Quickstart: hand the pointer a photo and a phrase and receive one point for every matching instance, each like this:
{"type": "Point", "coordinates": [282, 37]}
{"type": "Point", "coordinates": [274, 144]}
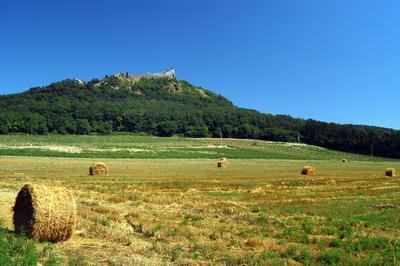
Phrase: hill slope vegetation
{"type": "Point", "coordinates": [166, 107]}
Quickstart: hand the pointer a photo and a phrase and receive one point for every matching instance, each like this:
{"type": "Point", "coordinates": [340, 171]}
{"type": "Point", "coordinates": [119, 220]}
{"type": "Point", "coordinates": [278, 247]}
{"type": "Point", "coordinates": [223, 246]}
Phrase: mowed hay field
{"type": "Point", "coordinates": [189, 212]}
{"type": "Point", "coordinates": [150, 147]}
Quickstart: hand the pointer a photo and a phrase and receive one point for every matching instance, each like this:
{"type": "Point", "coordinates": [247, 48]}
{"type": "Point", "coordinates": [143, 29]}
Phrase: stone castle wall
{"type": "Point", "coordinates": [169, 73]}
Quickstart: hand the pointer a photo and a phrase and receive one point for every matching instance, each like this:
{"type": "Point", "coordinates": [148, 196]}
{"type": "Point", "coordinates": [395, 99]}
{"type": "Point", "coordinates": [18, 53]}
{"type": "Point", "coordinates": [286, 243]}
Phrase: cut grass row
{"type": "Point", "coordinates": [149, 147]}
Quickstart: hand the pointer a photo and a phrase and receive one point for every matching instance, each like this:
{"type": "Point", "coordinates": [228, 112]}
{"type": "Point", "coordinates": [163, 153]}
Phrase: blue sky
{"type": "Point", "coordinates": [336, 61]}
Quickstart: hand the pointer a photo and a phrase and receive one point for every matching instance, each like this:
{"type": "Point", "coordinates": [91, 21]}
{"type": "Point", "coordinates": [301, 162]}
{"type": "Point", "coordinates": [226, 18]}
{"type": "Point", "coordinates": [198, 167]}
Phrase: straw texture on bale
{"type": "Point", "coordinates": [390, 172]}
{"type": "Point", "coordinates": [308, 170]}
{"type": "Point", "coordinates": [45, 213]}
{"type": "Point", "coordinates": [223, 162]}
{"type": "Point", "coordinates": [98, 169]}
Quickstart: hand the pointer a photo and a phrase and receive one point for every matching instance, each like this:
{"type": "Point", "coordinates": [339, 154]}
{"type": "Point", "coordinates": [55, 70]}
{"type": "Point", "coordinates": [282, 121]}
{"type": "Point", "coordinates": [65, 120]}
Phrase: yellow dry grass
{"type": "Point", "coordinates": [152, 212]}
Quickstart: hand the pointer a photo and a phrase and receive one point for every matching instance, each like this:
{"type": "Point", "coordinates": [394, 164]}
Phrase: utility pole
{"type": "Point", "coordinates": [31, 134]}
{"type": "Point", "coordinates": [372, 149]}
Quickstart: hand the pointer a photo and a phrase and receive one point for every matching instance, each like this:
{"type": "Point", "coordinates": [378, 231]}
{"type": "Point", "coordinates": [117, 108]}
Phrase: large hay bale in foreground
{"type": "Point", "coordinates": [390, 172]}
{"type": "Point", "coordinates": [45, 213]}
{"type": "Point", "coordinates": [308, 170]}
{"type": "Point", "coordinates": [223, 162]}
{"type": "Point", "coordinates": [98, 169]}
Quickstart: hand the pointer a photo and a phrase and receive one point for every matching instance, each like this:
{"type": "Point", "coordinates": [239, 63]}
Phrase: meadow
{"type": "Point", "coordinates": [186, 211]}
{"type": "Point", "coordinates": [150, 147]}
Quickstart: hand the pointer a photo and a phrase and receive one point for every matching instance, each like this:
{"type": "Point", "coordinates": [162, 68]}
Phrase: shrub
{"type": "Point", "coordinates": [307, 227]}
{"type": "Point", "coordinates": [332, 257]}
{"type": "Point", "coordinates": [335, 243]}
{"type": "Point", "coordinates": [167, 128]}
{"type": "Point", "coordinates": [260, 220]}
{"type": "Point", "coordinates": [344, 229]}
{"type": "Point", "coordinates": [176, 252]}
{"type": "Point", "coordinates": [299, 255]}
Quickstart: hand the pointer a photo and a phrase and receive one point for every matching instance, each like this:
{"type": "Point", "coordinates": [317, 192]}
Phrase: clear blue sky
{"type": "Point", "coordinates": [334, 61]}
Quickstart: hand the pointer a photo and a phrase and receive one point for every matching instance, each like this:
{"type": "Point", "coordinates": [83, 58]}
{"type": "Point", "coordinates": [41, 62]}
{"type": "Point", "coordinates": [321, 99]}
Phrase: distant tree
{"type": "Point", "coordinates": [200, 131]}
{"type": "Point", "coordinates": [70, 125]}
{"type": "Point", "coordinates": [62, 130]}
{"type": "Point", "coordinates": [3, 129]}
{"type": "Point", "coordinates": [42, 129]}
{"type": "Point", "coordinates": [106, 128]}
{"type": "Point", "coordinates": [82, 126]}
{"type": "Point", "coordinates": [217, 133]}
{"type": "Point", "coordinates": [167, 128]}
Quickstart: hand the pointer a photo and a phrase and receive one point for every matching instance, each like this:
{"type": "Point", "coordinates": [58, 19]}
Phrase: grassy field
{"type": "Point", "coordinates": [189, 212]}
{"type": "Point", "coordinates": [147, 147]}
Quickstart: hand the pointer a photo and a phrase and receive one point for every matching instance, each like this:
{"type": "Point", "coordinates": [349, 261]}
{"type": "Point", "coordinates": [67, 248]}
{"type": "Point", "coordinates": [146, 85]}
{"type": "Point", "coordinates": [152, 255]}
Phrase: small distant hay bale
{"type": "Point", "coordinates": [98, 169]}
{"type": "Point", "coordinates": [223, 162]}
{"type": "Point", "coordinates": [344, 160]}
{"type": "Point", "coordinates": [45, 213]}
{"type": "Point", "coordinates": [308, 170]}
{"type": "Point", "coordinates": [390, 172]}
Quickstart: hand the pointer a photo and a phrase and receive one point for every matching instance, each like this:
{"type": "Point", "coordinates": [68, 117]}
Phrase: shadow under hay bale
{"type": "Point", "coordinates": [308, 170]}
{"type": "Point", "coordinates": [98, 169]}
{"type": "Point", "coordinates": [45, 213]}
{"type": "Point", "coordinates": [223, 163]}
{"type": "Point", "coordinates": [391, 172]}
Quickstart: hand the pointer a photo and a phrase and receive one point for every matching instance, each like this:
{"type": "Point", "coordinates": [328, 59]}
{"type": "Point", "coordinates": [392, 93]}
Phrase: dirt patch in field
{"type": "Point", "coordinates": [74, 149]}
{"type": "Point", "coordinates": [68, 149]}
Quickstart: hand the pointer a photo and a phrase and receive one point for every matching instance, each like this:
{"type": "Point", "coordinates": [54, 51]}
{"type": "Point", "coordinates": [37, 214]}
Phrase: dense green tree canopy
{"type": "Point", "coordinates": [166, 107]}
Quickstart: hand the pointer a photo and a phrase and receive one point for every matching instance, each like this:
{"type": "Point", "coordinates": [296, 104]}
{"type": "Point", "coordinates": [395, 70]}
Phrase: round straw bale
{"type": "Point", "coordinates": [223, 162]}
{"type": "Point", "coordinates": [390, 172]}
{"type": "Point", "coordinates": [45, 213]}
{"type": "Point", "coordinates": [344, 160]}
{"type": "Point", "coordinates": [98, 169]}
{"type": "Point", "coordinates": [308, 170]}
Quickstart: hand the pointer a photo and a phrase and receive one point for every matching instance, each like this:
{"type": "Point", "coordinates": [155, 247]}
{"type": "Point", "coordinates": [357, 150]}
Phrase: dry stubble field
{"type": "Point", "coordinates": [189, 212]}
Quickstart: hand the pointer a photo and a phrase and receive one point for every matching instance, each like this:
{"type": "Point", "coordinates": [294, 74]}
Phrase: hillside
{"type": "Point", "coordinates": [165, 106]}
{"type": "Point", "coordinates": [151, 147]}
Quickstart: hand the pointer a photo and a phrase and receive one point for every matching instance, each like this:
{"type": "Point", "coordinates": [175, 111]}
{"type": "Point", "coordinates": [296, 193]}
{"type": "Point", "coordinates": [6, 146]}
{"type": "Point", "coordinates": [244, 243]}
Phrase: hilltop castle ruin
{"type": "Point", "coordinates": [169, 73]}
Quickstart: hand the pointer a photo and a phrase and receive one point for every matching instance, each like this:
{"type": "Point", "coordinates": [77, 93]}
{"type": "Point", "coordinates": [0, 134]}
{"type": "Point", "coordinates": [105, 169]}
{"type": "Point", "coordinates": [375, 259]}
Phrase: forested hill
{"type": "Point", "coordinates": [166, 107]}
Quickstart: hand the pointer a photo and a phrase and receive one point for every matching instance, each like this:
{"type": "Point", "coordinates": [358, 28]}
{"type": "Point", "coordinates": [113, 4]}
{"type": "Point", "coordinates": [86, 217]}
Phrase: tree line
{"type": "Point", "coordinates": [166, 107]}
